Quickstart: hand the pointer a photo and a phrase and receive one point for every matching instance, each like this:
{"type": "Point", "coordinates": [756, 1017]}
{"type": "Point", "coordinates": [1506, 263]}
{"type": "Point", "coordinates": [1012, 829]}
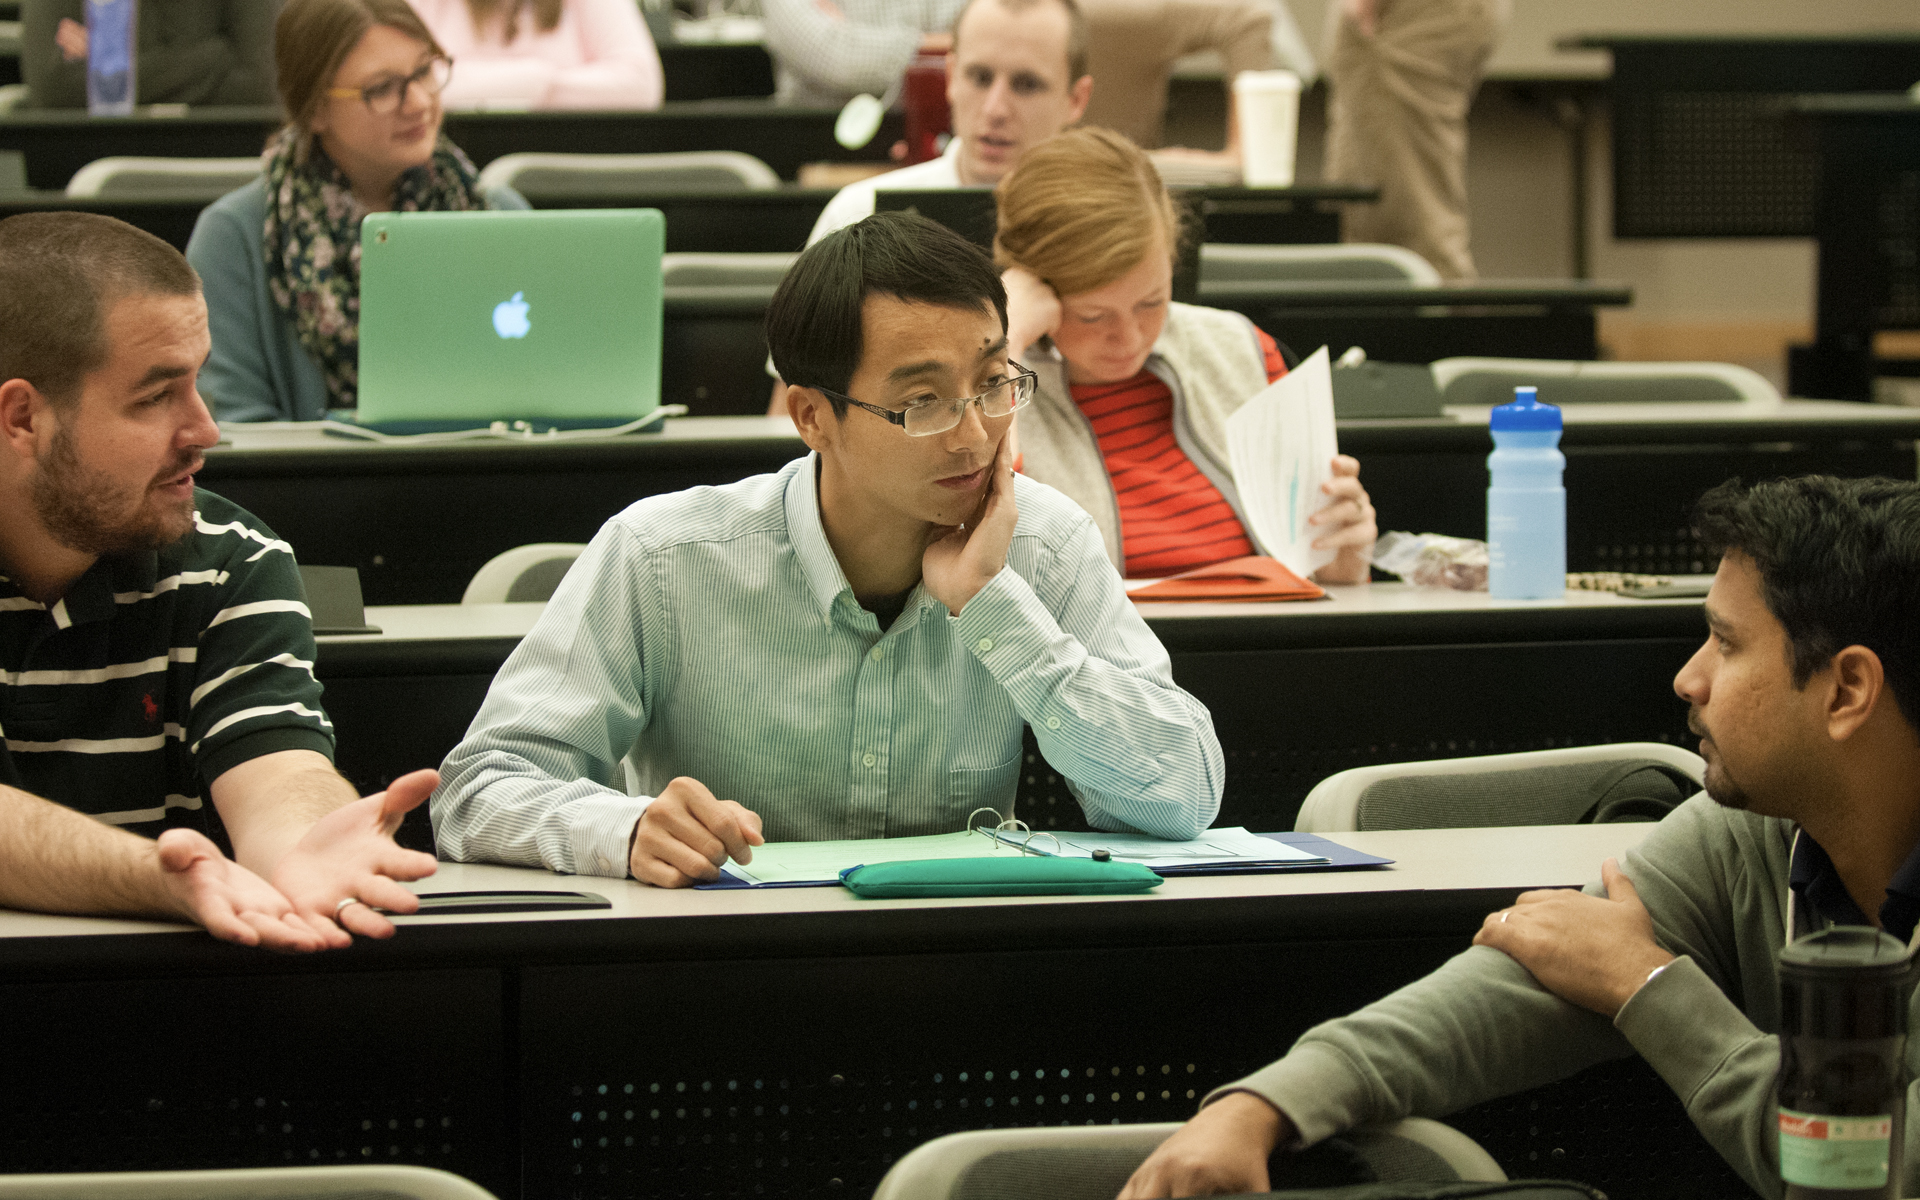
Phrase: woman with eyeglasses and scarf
{"type": "Point", "coordinates": [279, 259]}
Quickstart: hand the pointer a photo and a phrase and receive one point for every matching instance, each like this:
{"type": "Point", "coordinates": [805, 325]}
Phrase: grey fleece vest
{"type": "Point", "coordinates": [1212, 363]}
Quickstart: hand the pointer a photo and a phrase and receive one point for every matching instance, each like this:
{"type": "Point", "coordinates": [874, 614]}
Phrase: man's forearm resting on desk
{"type": "Point", "coordinates": [53, 859]}
{"type": "Point", "coordinates": [1593, 951]}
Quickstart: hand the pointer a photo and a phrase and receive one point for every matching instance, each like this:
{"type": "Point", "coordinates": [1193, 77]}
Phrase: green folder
{"type": "Point", "coordinates": [1024, 876]}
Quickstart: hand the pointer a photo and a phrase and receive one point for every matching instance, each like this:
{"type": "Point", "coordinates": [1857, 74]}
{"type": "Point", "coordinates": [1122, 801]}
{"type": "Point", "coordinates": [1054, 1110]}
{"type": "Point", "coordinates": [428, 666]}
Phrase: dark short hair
{"type": "Point", "coordinates": [58, 273]}
{"type": "Point", "coordinates": [814, 323]}
{"type": "Point", "coordinates": [1077, 35]}
{"type": "Point", "coordinates": [1839, 563]}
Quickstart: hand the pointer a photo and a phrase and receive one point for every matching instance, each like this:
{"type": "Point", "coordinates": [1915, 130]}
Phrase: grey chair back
{"type": "Point", "coordinates": [1222, 262]}
{"type": "Point", "coordinates": [525, 573]}
{"type": "Point", "coordinates": [135, 178]}
{"type": "Point", "coordinates": [614, 176]}
{"type": "Point", "coordinates": [1564, 794]}
{"type": "Point", "coordinates": [1474, 382]}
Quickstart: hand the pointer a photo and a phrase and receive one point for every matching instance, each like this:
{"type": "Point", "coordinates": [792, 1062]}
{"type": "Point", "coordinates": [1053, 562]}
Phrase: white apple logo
{"type": "Point", "coordinates": [510, 317]}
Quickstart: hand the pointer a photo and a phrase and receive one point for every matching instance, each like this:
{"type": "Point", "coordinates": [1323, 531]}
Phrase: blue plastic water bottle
{"type": "Point", "coordinates": [111, 41]}
{"type": "Point", "coordinates": [1526, 501]}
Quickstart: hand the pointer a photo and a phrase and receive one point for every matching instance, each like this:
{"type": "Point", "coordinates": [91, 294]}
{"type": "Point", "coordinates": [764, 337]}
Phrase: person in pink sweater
{"type": "Point", "coordinates": [546, 53]}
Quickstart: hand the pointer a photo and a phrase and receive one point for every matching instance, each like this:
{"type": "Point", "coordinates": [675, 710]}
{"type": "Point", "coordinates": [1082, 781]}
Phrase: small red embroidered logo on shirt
{"type": "Point", "coordinates": [153, 710]}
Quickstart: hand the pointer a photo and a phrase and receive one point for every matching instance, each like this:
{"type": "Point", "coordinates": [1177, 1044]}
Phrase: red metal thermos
{"type": "Point", "coordinates": [928, 118]}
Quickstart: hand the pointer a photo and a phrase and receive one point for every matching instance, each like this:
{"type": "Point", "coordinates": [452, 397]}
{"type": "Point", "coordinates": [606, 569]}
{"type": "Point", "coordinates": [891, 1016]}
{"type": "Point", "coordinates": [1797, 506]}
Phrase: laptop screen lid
{"type": "Point", "coordinates": [551, 317]}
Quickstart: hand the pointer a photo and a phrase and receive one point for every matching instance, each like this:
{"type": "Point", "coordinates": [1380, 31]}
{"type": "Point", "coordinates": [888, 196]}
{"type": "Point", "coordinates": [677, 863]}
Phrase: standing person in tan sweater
{"type": "Point", "coordinates": [1133, 44]}
{"type": "Point", "coordinates": [1401, 75]}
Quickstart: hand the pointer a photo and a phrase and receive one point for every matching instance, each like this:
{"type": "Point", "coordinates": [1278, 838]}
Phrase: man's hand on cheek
{"type": "Point", "coordinates": [686, 834]}
{"type": "Point", "coordinates": [964, 559]}
{"type": "Point", "coordinates": [1592, 951]}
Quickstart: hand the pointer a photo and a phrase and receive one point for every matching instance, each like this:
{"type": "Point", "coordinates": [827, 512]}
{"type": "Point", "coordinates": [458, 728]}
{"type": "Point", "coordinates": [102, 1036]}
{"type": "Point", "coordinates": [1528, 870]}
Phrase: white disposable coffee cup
{"type": "Point", "coordinates": [1269, 104]}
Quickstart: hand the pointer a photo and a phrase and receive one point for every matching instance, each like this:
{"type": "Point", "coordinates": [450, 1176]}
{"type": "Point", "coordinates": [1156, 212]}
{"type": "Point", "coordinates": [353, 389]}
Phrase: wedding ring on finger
{"type": "Point", "coordinates": [342, 906]}
{"type": "Point", "coordinates": [1504, 914]}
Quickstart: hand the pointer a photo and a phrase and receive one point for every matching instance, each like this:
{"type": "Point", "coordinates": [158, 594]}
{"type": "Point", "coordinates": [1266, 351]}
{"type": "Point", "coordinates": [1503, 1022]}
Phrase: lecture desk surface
{"type": "Point", "coordinates": [480, 636]}
{"type": "Point", "coordinates": [1480, 868]}
{"type": "Point", "coordinates": [285, 446]}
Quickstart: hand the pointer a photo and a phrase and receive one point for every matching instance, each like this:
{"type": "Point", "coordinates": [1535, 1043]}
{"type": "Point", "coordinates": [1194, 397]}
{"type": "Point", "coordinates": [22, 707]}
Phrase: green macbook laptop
{"type": "Point", "coordinates": [550, 318]}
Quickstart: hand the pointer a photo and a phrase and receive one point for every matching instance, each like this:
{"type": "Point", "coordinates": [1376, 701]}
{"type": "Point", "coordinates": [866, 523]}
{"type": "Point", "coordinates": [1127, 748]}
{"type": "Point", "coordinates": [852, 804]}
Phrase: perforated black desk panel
{"type": "Point", "coordinates": [770, 221]}
{"type": "Point", "coordinates": [58, 142]}
{"type": "Point", "coordinates": [719, 1046]}
{"type": "Point", "coordinates": [1297, 692]}
{"type": "Point", "coordinates": [405, 516]}
{"type": "Point", "coordinates": [1703, 141]}
{"type": "Point", "coordinates": [1869, 230]}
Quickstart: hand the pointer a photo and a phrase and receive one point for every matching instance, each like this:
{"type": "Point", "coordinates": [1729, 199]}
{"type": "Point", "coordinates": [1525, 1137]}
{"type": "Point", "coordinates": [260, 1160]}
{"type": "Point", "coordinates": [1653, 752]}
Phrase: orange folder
{"type": "Point", "coordinates": [1252, 578]}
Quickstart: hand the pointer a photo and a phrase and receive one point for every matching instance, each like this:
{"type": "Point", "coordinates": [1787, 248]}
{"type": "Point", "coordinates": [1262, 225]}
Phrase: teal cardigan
{"type": "Point", "coordinates": [258, 371]}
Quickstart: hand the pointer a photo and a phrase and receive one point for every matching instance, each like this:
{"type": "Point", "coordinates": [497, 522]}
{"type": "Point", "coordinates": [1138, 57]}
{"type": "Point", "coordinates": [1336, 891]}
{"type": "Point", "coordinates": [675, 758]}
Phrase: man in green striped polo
{"type": "Point", "coordinates": [155, 646]}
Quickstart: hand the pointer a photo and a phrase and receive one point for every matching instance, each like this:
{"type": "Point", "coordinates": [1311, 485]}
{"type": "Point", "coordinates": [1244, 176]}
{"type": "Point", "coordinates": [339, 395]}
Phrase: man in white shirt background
{"type": "Point", "coordinates": [1018, 76]}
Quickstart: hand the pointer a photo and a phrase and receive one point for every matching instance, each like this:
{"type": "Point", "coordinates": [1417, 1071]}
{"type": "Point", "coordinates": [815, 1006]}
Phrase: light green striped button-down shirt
{"type": "Point", "coordinates": [711, 633]}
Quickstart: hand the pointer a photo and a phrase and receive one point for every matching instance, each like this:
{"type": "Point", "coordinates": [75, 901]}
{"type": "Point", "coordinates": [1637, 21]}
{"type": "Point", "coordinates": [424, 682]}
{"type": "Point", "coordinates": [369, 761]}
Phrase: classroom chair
{"type": "Point", "coordinates": [1222, 262]}
{"type": "Point", "coordinates": [1093, 1162]}
{"type": "Point", "coordinates": [1625, 781]}
{"type": "Point", "coordinates": [757, 273]}
{"type": "Point", "coordinates": [1489, 381]}
{"type": "Point", "coordinates": [129, 177]}
{"type": "Point", "coordinates": [536, 176]}
{"type": "Point", "coordinates": [524, 573]}
{"type": "Point", "coordinates": [13, 170]}
{"type": "Point", "coordinates": [355, 1182]}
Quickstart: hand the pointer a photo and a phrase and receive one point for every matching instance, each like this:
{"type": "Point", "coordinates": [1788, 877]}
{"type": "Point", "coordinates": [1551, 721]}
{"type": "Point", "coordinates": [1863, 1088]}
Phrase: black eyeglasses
{"type": "Point", "coordinates": [384, 97]}
{"type": "Point", "coordinates": [929, 417]}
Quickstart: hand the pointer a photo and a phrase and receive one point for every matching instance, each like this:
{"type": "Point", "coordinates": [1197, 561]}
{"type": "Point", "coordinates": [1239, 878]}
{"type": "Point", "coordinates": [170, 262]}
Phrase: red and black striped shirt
{"type": "Point", "coordinates": [1172, 518]}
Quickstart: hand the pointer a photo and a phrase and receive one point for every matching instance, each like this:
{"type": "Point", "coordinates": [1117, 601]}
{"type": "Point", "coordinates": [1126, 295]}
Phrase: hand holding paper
{"type": "Point", "coordinates": [1345, 525]}
{"type": "Point", "coordinates": [1281, 445]}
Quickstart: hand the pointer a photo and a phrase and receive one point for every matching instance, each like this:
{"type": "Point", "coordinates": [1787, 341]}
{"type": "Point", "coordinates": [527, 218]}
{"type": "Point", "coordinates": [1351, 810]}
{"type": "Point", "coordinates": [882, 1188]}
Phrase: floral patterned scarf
{"type": "Point", "coordinates": [313, 245]}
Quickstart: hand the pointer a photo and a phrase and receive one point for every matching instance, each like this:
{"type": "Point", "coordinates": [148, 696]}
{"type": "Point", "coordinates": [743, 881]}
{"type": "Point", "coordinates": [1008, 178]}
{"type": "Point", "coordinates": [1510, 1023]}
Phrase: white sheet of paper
{"type": "Point", "coordinates": [1232, 844]}
{"type": "Point", "coordinates": [1281, 445]}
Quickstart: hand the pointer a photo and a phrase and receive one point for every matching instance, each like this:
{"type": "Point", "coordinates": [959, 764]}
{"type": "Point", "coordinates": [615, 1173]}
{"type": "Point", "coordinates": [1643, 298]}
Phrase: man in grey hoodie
{"type": "Point", "coordinates": [1806, 697]}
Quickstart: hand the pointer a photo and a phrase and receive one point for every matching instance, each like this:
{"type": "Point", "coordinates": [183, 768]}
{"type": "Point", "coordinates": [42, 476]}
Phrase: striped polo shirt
{"type": "Point", "coordinates": [157, 672]}
{"type": "Point", "coordinates": [1172, 518]}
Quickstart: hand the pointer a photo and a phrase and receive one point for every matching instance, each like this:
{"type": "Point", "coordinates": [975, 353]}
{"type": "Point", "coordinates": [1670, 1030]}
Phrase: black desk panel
{"type": "Point", "coordinates": [714, 354]}
{"type": "Point", "coordinates": [404, 516]}
{"type": "Point", "coordinates": [701, 71]}
{"type": "Point", "coordinates": [1408, 324]}
{"type": "Point", "coordinates": [782, 137]}
{"type": "Point", "coordinates": [1703, 139]}
{"type": "Point", "coordinates": [1294, 698]}
{"type": "Point", "coordinates": [260, 1061]}
{"type": "Point", "coordinates": [59, 142]}
{"type": "Point", "coordinates": [1628, 505]}
{"type": "Point", "coordinates": [390, 511]}
{"type": "Point", "coordinates": [1868, 225]}
{"type": "Point", "coordinates": [778, 1054]}
{"type": "Point", "coordinates": [774, 221]}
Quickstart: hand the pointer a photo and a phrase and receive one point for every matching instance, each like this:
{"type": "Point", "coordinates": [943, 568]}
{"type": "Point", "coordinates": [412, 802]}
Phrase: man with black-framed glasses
{"type": "Point", "coordinates": [850, 647]}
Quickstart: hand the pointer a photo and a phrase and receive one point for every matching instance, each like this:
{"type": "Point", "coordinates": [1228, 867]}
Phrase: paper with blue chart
{"type": "Point", "coordinates": [1281, 445]}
